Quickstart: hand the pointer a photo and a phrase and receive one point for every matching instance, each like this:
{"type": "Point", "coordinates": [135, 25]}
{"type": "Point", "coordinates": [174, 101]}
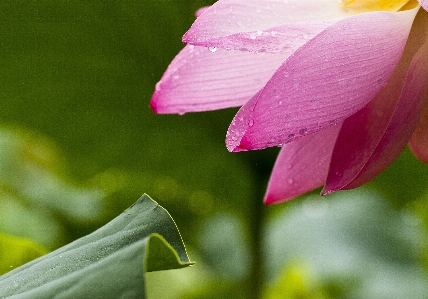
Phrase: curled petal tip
{"type": "Point", "coordinates": [269, 199]}
{"type": "Point", "coordinates": [326, 191]}
{"type": "Point", "coordinates": [185, 38]}
{"type": "Point", "coordinates": [153, 105]}
{"type": "Point", "coordinates": [235, 147]}
{"type": "Point", "coordinates": [200, 11]}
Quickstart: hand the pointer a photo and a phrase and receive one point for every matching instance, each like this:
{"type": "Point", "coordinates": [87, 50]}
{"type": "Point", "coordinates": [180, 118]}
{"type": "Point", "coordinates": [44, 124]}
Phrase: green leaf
{"type": "Point", "coordinates": [352, 244]}
{"type": "Point", "coordinates": [16, 251]}
{"type": "Point", "coordinates": [109, 263]}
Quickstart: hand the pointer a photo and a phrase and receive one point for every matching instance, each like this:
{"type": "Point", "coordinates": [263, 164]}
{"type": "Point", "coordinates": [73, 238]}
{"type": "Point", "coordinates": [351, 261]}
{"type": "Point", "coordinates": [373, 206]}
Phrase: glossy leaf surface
{"type": "Point", "coordinates": [108, 263]}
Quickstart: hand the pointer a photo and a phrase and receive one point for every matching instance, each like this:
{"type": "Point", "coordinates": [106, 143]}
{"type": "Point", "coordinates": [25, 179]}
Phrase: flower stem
{"type": "Point", "coordinates": [255, 280]}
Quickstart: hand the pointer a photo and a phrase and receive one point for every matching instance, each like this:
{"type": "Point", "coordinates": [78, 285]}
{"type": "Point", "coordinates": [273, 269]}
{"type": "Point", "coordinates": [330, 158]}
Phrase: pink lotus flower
{"type": "Point", "coordinates": [339, 86]}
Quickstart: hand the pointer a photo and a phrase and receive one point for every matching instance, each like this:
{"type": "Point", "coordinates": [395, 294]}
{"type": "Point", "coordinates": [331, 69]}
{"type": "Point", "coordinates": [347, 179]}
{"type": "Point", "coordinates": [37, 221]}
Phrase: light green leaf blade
{"type": "Point", "coordinates": [109, 263]}
{"type": "Point", "coordinates": [15, 251]}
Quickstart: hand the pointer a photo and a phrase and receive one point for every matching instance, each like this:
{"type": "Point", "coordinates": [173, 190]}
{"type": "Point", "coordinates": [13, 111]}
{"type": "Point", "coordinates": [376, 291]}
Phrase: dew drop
{"type": "Point", "coordinates": [280, 103]}
{"type": "Point", "coordinates": [212, 49]}
{"type": "Point", "coordinates": [303, 131]}
{"type": "Point", "coordinates": [251, 122]}
{"type": "Point", "coordinates": [291, 136]}
{"type": "Point", "coordinates": [339, 174]}
{"type": "Point", "coordinates": [181, 111]}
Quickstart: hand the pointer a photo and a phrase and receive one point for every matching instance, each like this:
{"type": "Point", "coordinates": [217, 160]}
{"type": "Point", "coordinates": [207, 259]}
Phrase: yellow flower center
{"type": "Point", "coordinates": [359, 6]}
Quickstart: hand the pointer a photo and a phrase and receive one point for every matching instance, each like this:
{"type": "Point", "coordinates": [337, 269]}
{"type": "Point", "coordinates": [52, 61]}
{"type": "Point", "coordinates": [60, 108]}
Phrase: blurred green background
{"type": "Point", "coordinates": [79, 144]}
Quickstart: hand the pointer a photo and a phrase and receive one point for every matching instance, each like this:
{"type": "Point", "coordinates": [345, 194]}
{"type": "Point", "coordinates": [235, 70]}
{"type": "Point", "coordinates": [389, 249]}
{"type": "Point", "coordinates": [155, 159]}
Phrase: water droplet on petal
{"type": "Point", "coordinates": [339, 174]}
{"type": "Point", "coordinates": [303, 131]}
{"type": "Point", "coordinates": [212, 49]}
{"type": "Point", "coordinates": [251, 122]}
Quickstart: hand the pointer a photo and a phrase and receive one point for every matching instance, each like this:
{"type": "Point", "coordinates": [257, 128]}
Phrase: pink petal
{"type": "Point", "coordinates": [301, 166]}
{"type": "Point", "coordinates": [199, 80]}
{"type": "Point", "coordinates": [424, 4]}
{"type": "Point", "coordinates": [262, 26]}
{"type": "Point", "coordinates": [325, 81]}
{"type": "Point", "coordinates": [283, 38]}
{"type": "Point", "coordinates": [200, 11]}
{"type": "Point", "coordinates": [419, 140]}
{"type": "Point", "coordinates": [373, 138]}
{"type": "Point", "coordinates": [227, 17]}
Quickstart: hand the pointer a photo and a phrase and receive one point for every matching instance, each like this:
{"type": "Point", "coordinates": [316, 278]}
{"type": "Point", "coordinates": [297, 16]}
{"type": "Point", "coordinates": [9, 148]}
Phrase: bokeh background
{"type": "Point", "coordinates": [79, 144]}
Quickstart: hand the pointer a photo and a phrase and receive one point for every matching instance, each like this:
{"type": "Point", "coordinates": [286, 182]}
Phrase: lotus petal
{"type": "Point", "coordinates": [374, 137]}
{"type": "Point", "coordinates": [200, 80]}
{"type": "Point", "coordinates": [228, 17]}
{"type": "Point", "coordinates": [419, 140]}
{"type": "Point", "coordinates": [424, 4]}
{"type": "Point", "coordinates": [298, 169]}
{"type": "Point", "coordinates": [200, 11]}
{"type": "Point", "coordinates": [325, 81]}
